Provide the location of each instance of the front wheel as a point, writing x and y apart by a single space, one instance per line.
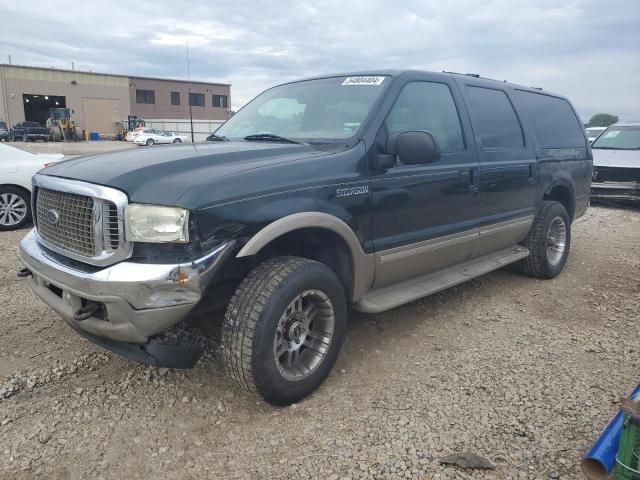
150 142
548 241
284 328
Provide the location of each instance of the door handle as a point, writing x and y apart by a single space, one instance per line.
532 173
474 181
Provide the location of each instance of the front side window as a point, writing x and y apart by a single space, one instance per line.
220 101
554 123
622 137
494 119
196 99
428 106
145 96
320 111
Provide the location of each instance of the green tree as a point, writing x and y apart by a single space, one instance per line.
602 120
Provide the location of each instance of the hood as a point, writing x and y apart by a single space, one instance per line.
616 158
161 175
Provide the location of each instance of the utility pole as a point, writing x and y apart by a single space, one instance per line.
189 99
73 66
9 59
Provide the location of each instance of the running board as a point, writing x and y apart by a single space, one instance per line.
392 296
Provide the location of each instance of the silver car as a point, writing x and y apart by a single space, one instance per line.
616 163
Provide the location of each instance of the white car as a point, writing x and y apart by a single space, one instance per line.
131 135
157 136
16 169
616 163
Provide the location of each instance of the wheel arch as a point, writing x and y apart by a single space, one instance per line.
561 190
18 186
335 237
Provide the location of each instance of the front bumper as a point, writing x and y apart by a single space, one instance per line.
138 300
616 190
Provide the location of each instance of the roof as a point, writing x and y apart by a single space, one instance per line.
86 72
444 73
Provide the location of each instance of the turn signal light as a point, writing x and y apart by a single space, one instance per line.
182 278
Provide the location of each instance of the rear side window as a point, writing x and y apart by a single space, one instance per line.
494 118
554 122
428 106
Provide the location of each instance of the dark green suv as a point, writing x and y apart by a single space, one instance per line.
364 190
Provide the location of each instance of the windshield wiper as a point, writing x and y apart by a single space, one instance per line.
269 137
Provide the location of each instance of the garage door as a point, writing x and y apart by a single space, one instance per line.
101 115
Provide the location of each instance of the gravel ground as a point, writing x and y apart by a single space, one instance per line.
522 372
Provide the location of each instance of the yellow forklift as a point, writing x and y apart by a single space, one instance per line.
61 125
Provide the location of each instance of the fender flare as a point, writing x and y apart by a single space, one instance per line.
363 264
566 183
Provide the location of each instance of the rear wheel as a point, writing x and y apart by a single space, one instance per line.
284 328
548 241
15 210
150 142
177 140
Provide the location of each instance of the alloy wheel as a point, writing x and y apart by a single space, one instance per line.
13 209
556 240
303 335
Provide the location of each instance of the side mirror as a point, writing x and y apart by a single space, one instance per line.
414 147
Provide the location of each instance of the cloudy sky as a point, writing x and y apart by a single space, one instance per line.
588 50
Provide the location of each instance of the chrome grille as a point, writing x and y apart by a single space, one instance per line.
66 220
110 230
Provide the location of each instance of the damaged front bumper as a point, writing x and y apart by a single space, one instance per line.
130 303
616 190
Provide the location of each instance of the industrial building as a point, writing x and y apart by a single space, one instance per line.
102 102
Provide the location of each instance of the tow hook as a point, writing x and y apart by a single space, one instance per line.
24 272
89 310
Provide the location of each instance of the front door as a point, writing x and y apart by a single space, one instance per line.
425 215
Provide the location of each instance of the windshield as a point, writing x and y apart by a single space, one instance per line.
3 126
314 111
619 138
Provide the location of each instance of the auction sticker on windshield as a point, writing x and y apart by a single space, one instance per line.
351 81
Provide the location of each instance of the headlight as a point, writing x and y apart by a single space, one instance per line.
155 224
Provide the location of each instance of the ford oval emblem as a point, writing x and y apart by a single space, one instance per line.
53 216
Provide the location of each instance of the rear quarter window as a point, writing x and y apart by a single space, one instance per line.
554 122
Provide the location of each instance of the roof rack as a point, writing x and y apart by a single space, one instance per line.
474 75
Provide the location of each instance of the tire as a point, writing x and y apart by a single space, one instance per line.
177 140
548 241
262 319
15 208
150 142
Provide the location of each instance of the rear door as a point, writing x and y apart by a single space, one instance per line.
507 161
